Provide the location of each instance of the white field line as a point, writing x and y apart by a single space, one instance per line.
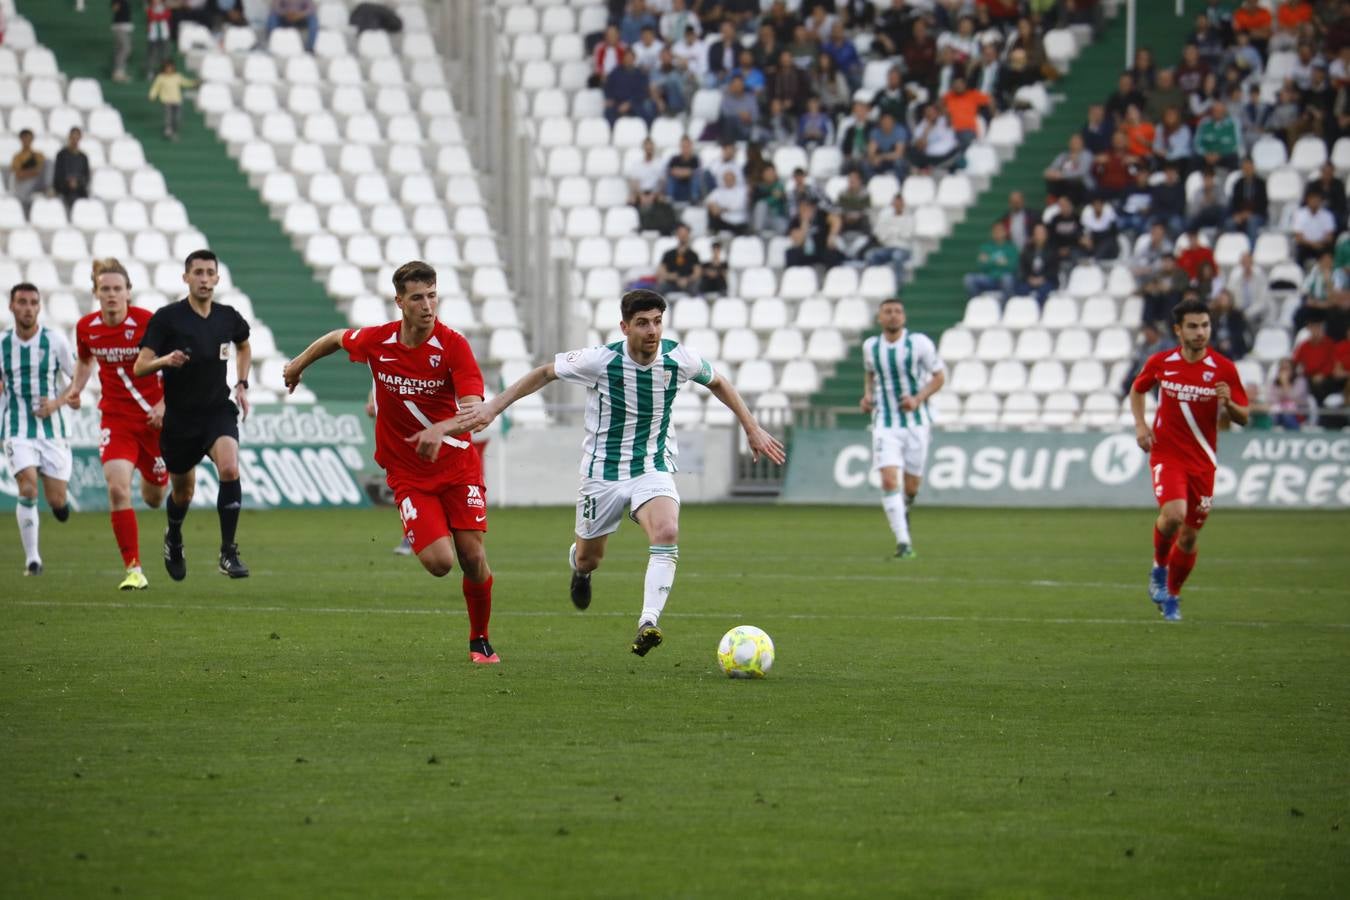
1143 619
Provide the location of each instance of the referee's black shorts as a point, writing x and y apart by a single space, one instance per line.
185 439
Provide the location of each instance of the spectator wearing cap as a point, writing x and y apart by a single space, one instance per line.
1248 206
893 232
1314 228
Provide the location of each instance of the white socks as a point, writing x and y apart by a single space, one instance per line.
660 576
27 514
896 514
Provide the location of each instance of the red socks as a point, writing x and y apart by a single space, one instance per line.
128 540
1162 546
478 601
1179 565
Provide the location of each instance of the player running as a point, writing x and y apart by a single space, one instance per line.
1194 382
190 342
423 370
131 409
629 450
901 370
32 359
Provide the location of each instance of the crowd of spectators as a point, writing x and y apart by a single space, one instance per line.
1163 166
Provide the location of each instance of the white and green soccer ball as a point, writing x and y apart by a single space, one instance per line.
745 652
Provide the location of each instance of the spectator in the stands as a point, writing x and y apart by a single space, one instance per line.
158 25
1204 47
299 14
167 89
1248 207
647 50
1207 207
920 55
1153 338
668 85
635 18
726 162
1241 59
1255 20
608 56
121 29
1192 254
1164 96
628 92
1172 141
800 190
655 213
690 54
814 237
855 227
1097 131
1136 207
203 13
894 97
1146 264
1333 193
679 271
1012 77
1164 291
934 143
1285 117
684 176
1113 171
1038 265
1018 220
1002 13
1306 59
853 136
765 51
722 56
28 173
886 144
1287 396
804 49
963 107
1314 229
1201 103
1250 289
1252 115
71 174
231 14
1070 173
894 28
750 73
1066 232
1139 133
893 232
1126 95
789 85
1319 99
1101 229
1317 287
844 55
739 112
1028 39
781 20
1169 199
961 42
820 21
714 280
677 21
769 204
815 128
831 86
645 173
997 262
1230 332
729 206
1317 356
1144 71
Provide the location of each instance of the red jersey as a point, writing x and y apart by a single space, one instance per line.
416 387
1186 427
126 398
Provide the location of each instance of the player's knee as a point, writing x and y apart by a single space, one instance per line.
28 491
666 533
1187 539
229 472
153 496
889 482
438 566
119 496
475 567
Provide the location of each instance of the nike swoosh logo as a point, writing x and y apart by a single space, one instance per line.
1170 372
480 518
388 359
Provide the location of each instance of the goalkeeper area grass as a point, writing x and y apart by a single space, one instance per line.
1005 716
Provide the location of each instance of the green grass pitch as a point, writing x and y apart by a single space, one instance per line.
1005 716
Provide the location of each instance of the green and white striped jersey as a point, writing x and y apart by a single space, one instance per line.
901 369
31 370
628 406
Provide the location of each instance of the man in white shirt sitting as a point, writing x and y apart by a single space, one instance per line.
1314 229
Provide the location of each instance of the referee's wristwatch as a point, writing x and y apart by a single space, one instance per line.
242 383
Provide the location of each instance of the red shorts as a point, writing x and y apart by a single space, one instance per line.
1172 482
138 444
428 517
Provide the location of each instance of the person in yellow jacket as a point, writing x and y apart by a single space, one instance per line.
167 88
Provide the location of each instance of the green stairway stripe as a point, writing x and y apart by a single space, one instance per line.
219 200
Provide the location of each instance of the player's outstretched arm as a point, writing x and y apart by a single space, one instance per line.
328 344
1143 434
478 416
760 441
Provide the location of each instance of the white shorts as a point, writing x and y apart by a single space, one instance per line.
51 456
903 448
600 503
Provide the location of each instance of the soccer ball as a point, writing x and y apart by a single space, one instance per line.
745 652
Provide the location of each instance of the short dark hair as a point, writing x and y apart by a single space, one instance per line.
24 286
638 301
890 300
27 131
200 254
1188 308
417 271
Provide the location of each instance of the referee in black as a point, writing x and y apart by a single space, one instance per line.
190 342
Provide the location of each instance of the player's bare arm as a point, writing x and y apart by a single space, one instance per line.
155 417
243 362
1143 432
328 344
428 440
147 362
1236 412
866 404
84 368
911 402
480 415
760 441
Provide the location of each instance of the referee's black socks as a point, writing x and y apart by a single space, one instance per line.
228 502
176 515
